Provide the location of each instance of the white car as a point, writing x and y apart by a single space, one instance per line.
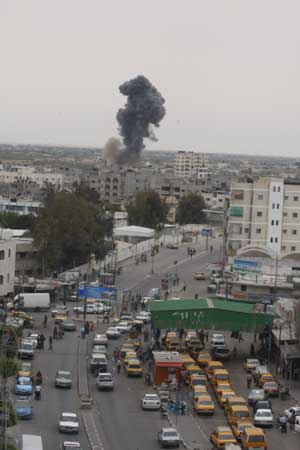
97 348
263 418
123 327
68 423
150 402
105 381
100 339
169 437
126 318
217 340
60 310
290 411
113 333
33 337
144 317
70 445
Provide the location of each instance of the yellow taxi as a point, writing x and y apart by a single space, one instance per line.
239 428
25 370
213 365
225 386
198 378
204 357
254 438
250 364
191 370
134 368
59 318
221 436
199 391
220 376
264 378
204 405
237 414
126 348
187 361
223 395
129 355
234 401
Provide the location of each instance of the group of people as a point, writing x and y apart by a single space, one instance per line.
283 422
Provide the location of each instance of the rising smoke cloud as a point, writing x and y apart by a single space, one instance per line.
142 112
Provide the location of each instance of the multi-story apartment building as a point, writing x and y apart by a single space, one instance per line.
7 263
24 174
191 164
265 214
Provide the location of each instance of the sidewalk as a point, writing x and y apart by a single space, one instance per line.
192 435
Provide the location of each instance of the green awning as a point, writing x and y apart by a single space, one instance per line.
236 211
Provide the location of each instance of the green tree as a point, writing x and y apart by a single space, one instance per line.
16 221
70 228
83 189
190 209
147 210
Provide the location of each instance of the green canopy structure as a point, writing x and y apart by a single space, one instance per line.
209 314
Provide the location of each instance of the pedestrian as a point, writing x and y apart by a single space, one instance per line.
206 335
106 317
184 287
283 423
45 321
201 336
292 421
119 366
42 341
211 248
82 331
55 332
249 380
252 350
196 296
50 343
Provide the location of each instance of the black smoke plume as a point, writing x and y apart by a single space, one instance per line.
143 110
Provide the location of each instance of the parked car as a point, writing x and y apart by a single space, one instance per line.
255 395
169 437
172 246
199 276
263 418
68 423
63 379
23 408
23 386
33 337
150 402
105 381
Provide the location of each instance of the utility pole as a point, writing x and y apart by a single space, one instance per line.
275 281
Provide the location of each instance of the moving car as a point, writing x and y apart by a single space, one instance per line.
98 363
33 337
198 379
113 333
264 377
222 353
204 357
204 405
222 396
69 325
99 349
234 401
123 327
70 445
23 408
263 418
221 436
68 423
199 276
220 376
26 350
217 340
144 316
253 439
255 395
251 364
262 404
150 402
100 339
271 388
134 368
213 365
169 437
61 310
23 386
237 414
172 246
239 428
63 379
105 381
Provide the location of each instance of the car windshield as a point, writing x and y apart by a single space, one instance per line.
105 378
264 414
24 382
134 366
242 414
205 402
170 434
64 374
22 403
222 377
27 347
270 385
25 367
226 437
151 397
256 438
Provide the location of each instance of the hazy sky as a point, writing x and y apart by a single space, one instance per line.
228 69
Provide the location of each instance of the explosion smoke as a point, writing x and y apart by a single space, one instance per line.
144 110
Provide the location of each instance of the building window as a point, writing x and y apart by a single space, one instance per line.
271 240
295 198
274 188
243 287
277 222
276 240
293 248
284 231
273 205
238 195
246 230
272 223
285 214
294 231
258 230
2 254
260 197
286 197
295 215
278 188
278 205
1 279
283 248
9 252
259 214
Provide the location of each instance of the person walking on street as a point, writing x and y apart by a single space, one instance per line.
82 332
184 287
249 380
292 421
45 321
119 366
55 332
283 423
42 340
50 343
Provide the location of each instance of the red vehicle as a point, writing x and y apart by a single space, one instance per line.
271 388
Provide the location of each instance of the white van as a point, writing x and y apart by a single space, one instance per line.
31 442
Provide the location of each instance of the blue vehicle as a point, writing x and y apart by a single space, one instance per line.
23 408
23 386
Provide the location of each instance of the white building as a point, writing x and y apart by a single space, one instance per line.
20 207
265 214
191 164
28 174
7 263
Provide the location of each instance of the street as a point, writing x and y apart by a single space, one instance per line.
116 416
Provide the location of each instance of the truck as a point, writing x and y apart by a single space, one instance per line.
31 442
32 301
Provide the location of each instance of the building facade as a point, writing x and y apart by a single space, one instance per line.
7 264
265 213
